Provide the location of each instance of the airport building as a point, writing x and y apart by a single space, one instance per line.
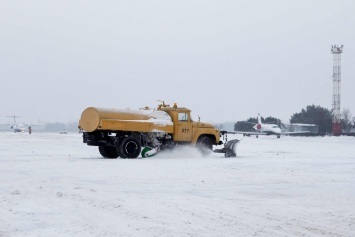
300 127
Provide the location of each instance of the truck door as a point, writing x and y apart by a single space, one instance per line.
183 130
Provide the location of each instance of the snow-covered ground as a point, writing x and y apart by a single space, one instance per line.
55 185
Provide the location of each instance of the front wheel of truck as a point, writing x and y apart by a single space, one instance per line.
204 144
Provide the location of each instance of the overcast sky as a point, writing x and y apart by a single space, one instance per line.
225 60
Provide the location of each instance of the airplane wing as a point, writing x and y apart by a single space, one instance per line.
301 132
248 133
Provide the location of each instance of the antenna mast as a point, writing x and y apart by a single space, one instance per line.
336 51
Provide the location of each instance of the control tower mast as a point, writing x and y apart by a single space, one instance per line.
336 51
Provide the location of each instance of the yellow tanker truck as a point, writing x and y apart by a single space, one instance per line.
130 133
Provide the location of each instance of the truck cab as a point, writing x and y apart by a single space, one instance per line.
186 130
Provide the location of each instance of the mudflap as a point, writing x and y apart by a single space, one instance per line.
230 148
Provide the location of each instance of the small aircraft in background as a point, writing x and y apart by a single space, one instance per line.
267 129
18 127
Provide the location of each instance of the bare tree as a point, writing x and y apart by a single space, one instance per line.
218 126
346 120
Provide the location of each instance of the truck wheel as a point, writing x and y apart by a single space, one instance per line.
108 152
204 144
129 148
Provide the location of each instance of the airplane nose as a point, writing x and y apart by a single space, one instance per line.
258 126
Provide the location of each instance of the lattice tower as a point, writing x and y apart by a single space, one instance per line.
336 51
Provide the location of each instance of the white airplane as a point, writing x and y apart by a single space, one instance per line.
267 129
17 127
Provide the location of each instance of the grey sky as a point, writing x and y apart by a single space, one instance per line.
225 60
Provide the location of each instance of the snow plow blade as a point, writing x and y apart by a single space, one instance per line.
230 148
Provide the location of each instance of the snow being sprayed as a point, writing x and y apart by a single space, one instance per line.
181 151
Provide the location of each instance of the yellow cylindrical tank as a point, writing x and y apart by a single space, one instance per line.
108 119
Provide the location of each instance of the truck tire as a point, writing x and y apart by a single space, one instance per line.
204 144
108 152
129 148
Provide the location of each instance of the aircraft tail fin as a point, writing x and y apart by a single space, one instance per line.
259 119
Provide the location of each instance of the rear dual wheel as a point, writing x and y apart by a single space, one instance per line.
129 148
108 152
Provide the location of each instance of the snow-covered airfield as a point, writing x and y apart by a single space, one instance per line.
54 185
